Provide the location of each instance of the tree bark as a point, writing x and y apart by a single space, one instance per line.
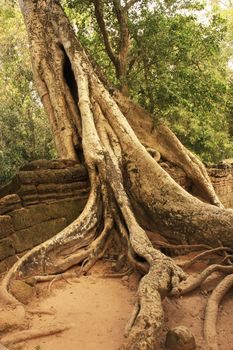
127 183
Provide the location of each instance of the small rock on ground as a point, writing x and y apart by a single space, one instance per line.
180 338
21 291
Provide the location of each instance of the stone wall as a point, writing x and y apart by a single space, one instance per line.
42 199
45 196
222 178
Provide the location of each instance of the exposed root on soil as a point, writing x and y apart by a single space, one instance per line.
2 347
41 312
132 319
214 300
202 255
118 274
47 278
180 247
187 287
52 282
228 258
211 312
21 336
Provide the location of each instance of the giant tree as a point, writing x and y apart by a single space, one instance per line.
98 125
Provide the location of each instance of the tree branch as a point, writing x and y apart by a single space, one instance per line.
122 19
121 15
130 3
131 63
102 26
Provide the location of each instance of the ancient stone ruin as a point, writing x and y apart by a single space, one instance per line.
42 199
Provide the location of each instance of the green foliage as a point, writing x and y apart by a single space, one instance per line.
82 16
181 77
24 130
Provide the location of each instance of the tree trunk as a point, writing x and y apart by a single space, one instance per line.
127 183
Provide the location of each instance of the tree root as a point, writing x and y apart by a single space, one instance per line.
40 311
227 258
81 230
154 154
211 312
53 281
141 267
213 302
37 279
146 324
118 274
132 319
163 273
98 247
202 255
20 346
182 247
2 347
189 287
21 336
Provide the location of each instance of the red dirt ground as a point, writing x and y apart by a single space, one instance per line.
97 310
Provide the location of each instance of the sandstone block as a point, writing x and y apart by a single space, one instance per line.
34 235
6 248
6 226
9 203
27 217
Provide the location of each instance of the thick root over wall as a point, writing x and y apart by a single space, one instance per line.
127 183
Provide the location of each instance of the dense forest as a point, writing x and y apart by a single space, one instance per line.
179 66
